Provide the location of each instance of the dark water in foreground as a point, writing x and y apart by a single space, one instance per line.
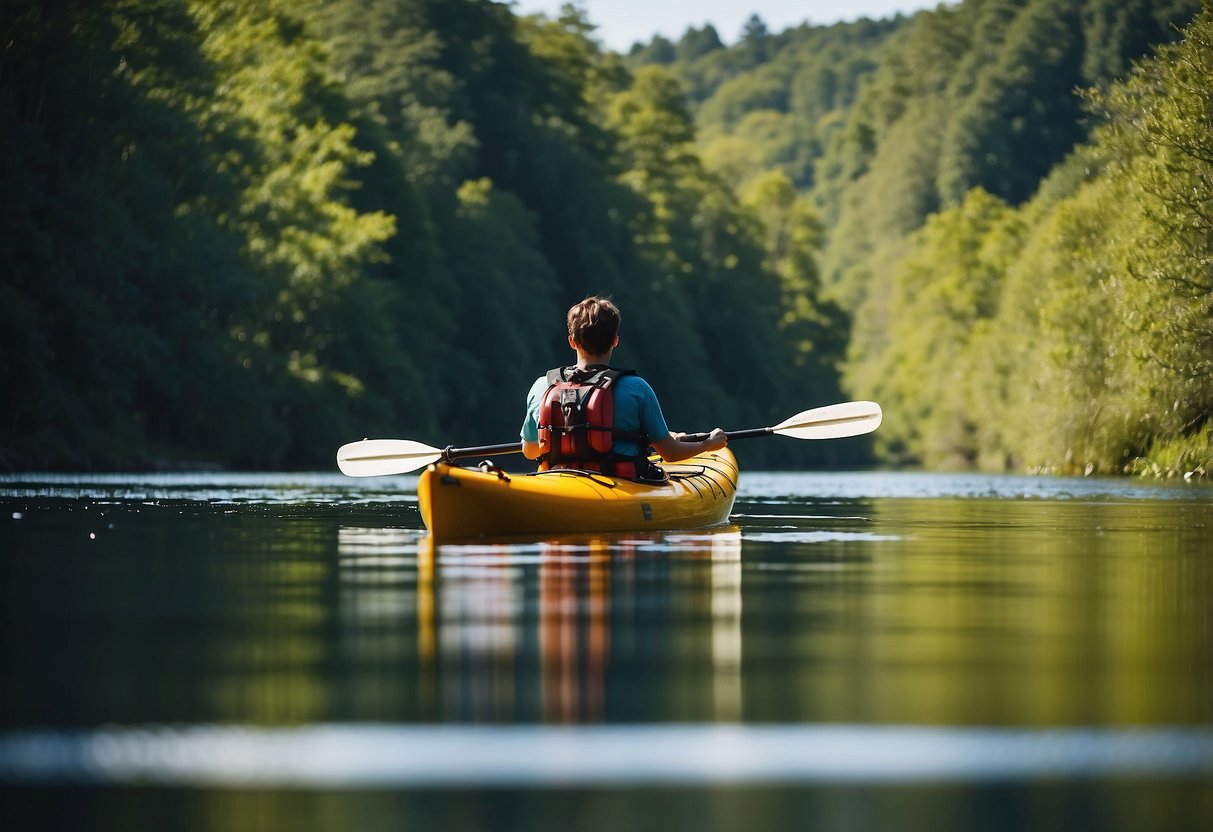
854 652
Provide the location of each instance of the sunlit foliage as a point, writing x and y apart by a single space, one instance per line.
1024 294
1071 334
242 232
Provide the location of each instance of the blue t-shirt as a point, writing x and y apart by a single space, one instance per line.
636 411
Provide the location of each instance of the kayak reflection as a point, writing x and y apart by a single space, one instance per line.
584 629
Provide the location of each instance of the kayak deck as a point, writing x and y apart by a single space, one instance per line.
469 502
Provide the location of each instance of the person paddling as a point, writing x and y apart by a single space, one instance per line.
594 417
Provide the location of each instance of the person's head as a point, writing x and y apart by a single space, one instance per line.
594 325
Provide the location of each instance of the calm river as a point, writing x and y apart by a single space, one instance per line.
858 651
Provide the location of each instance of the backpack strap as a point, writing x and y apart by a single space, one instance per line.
602 377
595 375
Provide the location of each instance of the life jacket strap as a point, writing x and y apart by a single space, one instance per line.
578 444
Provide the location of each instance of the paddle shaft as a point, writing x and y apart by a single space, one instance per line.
752 433
449 453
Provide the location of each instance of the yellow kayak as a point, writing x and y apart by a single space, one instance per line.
470 502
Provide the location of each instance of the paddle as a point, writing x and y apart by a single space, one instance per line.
381 457
834 421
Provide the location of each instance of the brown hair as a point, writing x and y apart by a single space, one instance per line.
593 324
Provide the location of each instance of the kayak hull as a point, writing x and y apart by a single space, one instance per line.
468 502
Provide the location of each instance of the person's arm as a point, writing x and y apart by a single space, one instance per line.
530 425
673 448
531 450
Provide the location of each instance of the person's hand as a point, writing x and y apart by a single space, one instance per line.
676 447
716 440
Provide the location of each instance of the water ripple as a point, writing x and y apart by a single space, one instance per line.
393 756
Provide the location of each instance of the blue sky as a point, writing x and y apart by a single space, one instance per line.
623 22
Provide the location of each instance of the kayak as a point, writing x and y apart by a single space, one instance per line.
473 502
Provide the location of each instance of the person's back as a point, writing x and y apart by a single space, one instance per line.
635 414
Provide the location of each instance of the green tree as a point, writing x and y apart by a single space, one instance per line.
657 51
755 38
763 140
695 43
1064 402
706 250
111 336
945 293
813 328
1159 135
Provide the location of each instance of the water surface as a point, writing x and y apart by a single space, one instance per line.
851 651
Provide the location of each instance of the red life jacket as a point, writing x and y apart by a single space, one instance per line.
577 422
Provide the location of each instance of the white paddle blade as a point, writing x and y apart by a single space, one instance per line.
833 421
381 457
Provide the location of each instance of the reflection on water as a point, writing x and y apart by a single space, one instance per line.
982 634
989 613
550 631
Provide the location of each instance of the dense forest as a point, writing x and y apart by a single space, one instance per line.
242 232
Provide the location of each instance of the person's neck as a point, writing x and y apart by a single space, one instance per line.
585 360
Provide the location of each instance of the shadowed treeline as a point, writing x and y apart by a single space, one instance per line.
244 232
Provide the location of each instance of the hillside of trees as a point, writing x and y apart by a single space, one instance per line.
243 232
1014 198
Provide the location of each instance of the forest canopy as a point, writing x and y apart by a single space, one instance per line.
242 232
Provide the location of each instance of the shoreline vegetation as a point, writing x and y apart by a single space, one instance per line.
239 233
